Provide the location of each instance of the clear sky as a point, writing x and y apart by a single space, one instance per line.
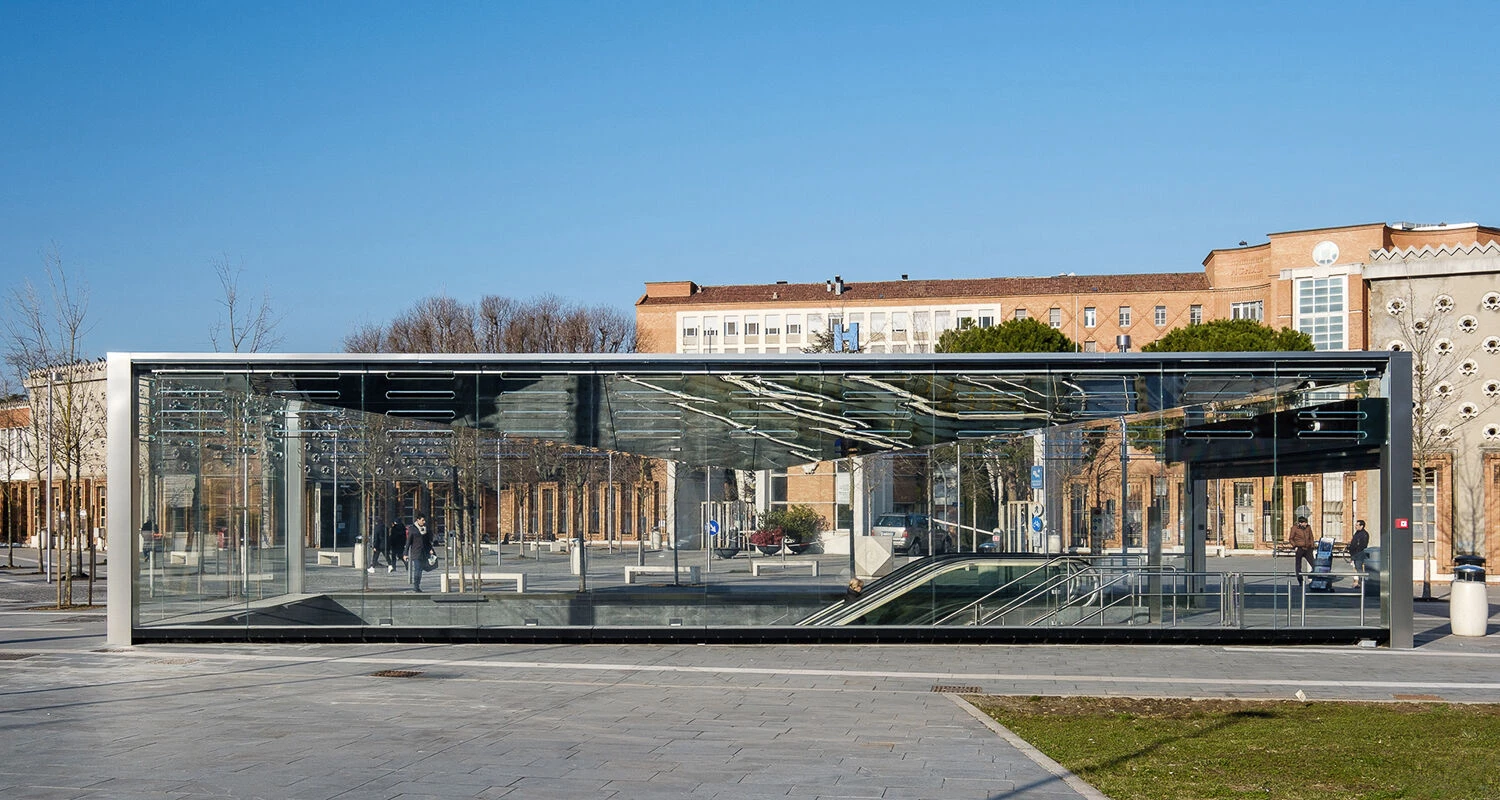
358 156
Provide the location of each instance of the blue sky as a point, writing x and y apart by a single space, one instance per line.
356 157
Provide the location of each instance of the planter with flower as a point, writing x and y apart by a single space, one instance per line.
792 527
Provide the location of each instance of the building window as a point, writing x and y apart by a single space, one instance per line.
898 323
1090 317
1161 316
1054 317
731 328
1021 313
1252 309
1320 311
942 321
1195 315
690 327
1091 347
752 328
1124 316
793 324
986 317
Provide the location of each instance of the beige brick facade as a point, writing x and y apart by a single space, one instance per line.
1311 280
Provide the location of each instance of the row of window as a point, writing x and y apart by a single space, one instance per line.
1319 302
918 325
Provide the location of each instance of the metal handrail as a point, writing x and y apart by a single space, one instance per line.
974 604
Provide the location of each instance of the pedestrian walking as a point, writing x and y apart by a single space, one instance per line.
418 550
1302 541
395 546
376 546
1359 545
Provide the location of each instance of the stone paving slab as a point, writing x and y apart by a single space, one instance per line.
83 720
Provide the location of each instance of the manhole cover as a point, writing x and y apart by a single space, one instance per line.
395 673
958 689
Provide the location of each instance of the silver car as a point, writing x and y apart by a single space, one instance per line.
911 534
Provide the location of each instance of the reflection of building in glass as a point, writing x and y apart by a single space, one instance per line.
249 477
1345 287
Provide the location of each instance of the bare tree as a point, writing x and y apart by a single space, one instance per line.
12 456
247 326
367 338
434 325
46 332
545 324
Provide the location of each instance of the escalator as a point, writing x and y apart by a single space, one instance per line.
966 589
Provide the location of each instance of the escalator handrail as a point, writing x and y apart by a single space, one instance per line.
888 584
1027 595
903 579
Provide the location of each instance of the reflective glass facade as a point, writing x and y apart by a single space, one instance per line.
608 498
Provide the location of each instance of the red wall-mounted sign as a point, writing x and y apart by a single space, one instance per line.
1403 523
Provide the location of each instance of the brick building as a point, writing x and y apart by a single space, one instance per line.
1335 284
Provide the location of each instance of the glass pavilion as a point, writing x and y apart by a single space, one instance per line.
613 497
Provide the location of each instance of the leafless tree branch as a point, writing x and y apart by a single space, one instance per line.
247 326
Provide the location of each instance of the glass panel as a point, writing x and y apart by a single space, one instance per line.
739 492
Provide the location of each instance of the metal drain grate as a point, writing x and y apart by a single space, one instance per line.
395 673
958 689
15 656
173 661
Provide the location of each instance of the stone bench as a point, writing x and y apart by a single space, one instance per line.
337 558
766 563
664 569
487 577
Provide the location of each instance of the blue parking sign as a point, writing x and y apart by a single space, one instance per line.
1036 477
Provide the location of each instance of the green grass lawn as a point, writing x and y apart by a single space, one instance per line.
1141 749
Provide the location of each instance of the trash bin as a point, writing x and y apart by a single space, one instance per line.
1468 602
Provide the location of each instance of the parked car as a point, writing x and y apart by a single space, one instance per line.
912 534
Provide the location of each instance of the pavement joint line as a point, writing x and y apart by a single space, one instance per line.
1041 759
386 660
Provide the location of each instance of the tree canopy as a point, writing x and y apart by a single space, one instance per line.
546 324
1012 336
1230 335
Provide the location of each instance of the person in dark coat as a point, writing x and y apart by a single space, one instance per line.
375 546
1359 543
395 545
418 550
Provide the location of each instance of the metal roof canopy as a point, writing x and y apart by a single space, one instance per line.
762 412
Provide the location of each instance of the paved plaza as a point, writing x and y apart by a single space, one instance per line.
84 720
